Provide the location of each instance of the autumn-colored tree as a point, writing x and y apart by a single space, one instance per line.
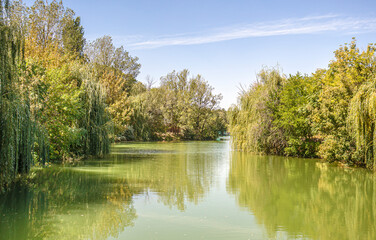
53 34
117 72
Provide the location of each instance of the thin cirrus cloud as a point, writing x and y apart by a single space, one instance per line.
306 25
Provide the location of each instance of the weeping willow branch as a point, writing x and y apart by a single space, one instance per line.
361 120
251 122
18 129
96 121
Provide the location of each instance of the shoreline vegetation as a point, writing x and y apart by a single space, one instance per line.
329 114
63 98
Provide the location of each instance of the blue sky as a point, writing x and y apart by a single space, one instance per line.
228 42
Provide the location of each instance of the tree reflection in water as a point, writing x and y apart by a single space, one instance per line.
93 200
304 197
66 204
177 172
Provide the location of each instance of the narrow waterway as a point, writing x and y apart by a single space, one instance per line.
191 190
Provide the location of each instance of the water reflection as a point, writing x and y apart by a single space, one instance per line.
94 200
305 198
177 172
64 204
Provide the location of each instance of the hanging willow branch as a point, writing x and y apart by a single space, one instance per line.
95 122
251 122
361 121
18 130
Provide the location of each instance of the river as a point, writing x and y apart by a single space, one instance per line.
191 190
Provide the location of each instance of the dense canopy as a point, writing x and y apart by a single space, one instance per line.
329 114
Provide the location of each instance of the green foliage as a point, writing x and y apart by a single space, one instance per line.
349 71
362 123
73 36
74 113
330 114
61 111
182 107
293 116
95 121
52 105
20 134
146 117
252 122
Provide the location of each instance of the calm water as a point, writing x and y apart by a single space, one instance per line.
194 190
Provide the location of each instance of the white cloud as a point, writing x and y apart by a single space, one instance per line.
306 25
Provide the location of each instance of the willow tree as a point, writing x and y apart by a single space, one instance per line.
75 113
95 121
251 122
362 121
362 113
17 127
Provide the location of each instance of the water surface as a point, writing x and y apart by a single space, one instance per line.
191 190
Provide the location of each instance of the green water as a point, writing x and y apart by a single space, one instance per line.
193 190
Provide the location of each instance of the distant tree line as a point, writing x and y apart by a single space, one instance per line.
63 98
329 114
